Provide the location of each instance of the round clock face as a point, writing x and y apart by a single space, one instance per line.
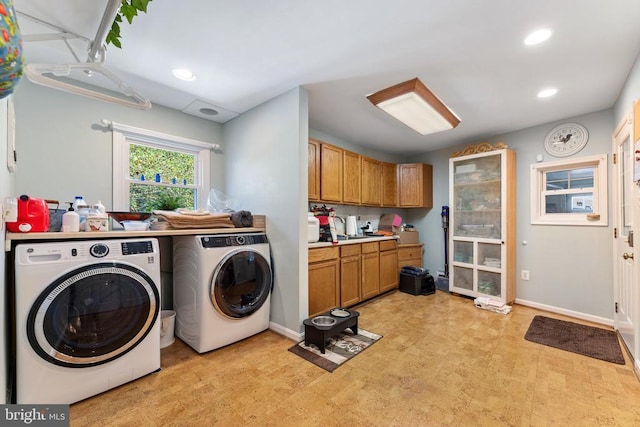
566 139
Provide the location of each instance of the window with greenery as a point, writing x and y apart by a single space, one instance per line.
570 192
154 171
160 179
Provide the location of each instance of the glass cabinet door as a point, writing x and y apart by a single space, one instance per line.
477 197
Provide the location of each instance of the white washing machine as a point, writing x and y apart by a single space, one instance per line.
86 317
221 288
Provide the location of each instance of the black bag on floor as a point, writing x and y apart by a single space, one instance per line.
416 281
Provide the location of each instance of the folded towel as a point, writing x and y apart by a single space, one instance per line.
197 212
179 220
242 219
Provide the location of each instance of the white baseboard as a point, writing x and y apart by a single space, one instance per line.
564 311
295 336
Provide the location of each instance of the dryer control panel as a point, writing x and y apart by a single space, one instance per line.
220 241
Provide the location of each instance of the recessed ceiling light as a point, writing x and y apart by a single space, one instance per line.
547 92
184 74
537 37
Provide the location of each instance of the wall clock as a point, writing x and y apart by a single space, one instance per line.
566 139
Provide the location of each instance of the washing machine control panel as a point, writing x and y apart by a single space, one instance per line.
133 248
99 250
232 240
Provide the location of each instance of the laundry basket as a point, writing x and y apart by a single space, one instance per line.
168 319
55 215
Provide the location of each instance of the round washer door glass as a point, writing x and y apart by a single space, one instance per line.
241 283
93 315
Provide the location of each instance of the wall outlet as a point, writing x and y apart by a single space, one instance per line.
524 274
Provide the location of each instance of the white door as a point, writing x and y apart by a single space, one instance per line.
626 198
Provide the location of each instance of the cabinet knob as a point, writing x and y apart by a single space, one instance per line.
627 256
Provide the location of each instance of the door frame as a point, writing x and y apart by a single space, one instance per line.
623 133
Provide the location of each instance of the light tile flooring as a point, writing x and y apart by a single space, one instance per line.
441 362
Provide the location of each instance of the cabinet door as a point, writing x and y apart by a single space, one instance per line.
314 169
351 177
330 173
409 255
389 184
349 281
415 185
370 274
388 270
371 181
324 283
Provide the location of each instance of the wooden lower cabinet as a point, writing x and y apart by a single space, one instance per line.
370 270
388 265
350 275
343 276
410 254
324 280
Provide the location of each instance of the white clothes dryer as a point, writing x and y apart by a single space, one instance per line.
221 288
86 317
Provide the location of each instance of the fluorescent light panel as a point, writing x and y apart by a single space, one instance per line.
415 106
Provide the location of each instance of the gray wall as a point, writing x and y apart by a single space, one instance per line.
570 267
630 92
266 172
64 151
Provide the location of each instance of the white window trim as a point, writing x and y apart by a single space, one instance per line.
599 216
123 135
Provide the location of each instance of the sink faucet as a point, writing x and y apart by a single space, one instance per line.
341 230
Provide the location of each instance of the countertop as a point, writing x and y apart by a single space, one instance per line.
352 241
115 234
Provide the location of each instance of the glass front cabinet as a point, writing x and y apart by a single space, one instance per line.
482 224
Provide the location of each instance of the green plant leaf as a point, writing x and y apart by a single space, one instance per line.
128 9
128 12
141 4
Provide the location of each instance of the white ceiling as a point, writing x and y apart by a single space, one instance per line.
470 53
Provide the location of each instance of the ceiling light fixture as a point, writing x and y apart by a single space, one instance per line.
184 74
546 93
415 106
537 37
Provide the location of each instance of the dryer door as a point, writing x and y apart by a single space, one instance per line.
93 315
241 283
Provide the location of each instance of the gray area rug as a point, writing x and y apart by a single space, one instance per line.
339 349
581 339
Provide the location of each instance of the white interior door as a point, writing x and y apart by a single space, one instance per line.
626 199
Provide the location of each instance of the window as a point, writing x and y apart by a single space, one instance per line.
570 192
152 170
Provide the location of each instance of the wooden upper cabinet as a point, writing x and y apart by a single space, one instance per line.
371 181
389 184
314 169
351 176
330 173
415 185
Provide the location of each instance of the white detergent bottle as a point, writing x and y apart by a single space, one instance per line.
100 207
70 220
79 202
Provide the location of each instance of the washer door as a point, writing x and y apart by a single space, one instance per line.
93 315
241 283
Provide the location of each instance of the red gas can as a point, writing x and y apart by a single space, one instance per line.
33 216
